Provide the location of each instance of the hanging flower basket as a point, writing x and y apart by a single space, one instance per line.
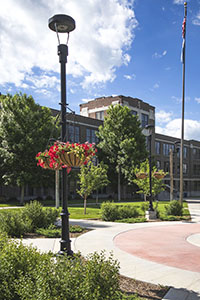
45 161
158 175
66 155
70 159
141 175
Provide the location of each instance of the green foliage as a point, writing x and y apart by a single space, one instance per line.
14 224
40 217
18 222
174 208
113 212
121 140
25 128
54 232
143 184
132 220
91 178
26 274
174 218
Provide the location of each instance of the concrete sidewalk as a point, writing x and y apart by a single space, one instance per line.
185 283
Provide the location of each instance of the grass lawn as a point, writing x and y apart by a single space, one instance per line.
94 211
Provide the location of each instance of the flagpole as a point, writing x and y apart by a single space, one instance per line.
183 103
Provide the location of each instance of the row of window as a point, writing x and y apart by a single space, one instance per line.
166 149
166 168
74 134
144 118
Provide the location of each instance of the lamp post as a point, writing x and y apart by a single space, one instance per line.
63 24
151 214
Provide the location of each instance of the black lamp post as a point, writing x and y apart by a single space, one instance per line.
149 127
63 24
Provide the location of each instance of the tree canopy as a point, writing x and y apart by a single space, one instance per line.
25 128
91 178
121 140
143 184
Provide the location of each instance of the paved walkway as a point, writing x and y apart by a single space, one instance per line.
166 253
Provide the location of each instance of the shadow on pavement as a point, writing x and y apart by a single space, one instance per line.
181 294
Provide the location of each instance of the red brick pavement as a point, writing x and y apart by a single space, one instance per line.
163 244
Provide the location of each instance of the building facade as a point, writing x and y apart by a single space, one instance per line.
83 127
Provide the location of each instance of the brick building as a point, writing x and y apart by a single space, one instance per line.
82 128
161 144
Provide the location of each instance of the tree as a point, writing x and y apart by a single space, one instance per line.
143 184
91 178
25 128
122 142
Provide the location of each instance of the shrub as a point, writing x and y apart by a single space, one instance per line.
112 212
174 208
14 224
26 274
109 211
132 220
39 216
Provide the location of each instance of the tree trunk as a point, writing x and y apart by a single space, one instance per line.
22 194
119 189
85 203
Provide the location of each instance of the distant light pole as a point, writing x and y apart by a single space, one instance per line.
63 24
149 127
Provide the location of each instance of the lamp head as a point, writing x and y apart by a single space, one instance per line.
62 23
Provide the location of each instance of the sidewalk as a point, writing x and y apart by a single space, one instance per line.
151 263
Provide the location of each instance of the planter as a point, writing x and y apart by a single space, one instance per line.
141 175
70 159
158 175
45 165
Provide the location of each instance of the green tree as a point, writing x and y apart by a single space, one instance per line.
143 184
91 178
122 142
25 128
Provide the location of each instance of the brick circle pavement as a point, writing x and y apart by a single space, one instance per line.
166 245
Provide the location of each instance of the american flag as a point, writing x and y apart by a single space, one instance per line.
183 44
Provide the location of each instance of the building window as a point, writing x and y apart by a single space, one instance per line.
91 136
196 169
73 134
166 166
134 112
184 152
158 164
196 153
184 168
145 120
157 146
166 149
100 115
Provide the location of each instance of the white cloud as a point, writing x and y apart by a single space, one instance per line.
197 99
176 99
159 55
97 47
179 1
173 128
155 86
130 77
196 20
163 117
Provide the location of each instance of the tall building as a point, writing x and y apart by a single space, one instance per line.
161 144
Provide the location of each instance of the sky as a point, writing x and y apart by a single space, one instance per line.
119 47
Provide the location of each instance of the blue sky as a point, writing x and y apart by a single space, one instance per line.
119 47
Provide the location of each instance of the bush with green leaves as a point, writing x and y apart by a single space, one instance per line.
39 216
26 274
174 208
14 224
18 222
113 212
54 232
